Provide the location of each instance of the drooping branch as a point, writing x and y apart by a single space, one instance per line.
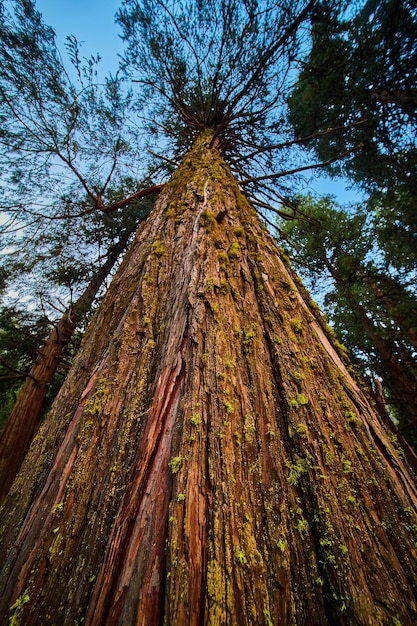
18 373
104 208
120 204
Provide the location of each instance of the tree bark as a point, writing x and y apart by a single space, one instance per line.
209 459
24 418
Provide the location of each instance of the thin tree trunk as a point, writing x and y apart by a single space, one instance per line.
24 418
391 309
209 459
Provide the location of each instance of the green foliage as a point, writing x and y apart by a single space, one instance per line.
50 121
21 336
366 257
234 250
303 527
297 326
360 73
208 219
301 399
296 470
227 63
241 558
64 146
346 259
175 464
17 608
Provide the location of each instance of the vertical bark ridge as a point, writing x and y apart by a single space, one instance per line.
210 458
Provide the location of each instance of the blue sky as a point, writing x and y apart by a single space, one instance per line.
91 21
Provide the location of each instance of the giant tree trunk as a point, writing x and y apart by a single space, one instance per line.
209 459
27 411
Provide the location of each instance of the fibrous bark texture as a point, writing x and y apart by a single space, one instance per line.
210 458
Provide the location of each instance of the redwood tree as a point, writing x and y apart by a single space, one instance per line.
210 459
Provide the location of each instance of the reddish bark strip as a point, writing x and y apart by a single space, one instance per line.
137 543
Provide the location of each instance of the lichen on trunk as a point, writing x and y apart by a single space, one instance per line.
210 458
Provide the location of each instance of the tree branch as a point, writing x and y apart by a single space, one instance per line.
314 166
292 142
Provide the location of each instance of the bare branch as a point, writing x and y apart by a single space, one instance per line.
296 170
293 142
268 55
18 373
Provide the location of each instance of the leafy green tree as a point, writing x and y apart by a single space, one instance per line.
361 71
394 226
41 380
375 93
67 143
66 147
63 139
373 310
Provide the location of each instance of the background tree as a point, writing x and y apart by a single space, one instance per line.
371 307
375 92
29 405
66 151
242 470
63 147
361 67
